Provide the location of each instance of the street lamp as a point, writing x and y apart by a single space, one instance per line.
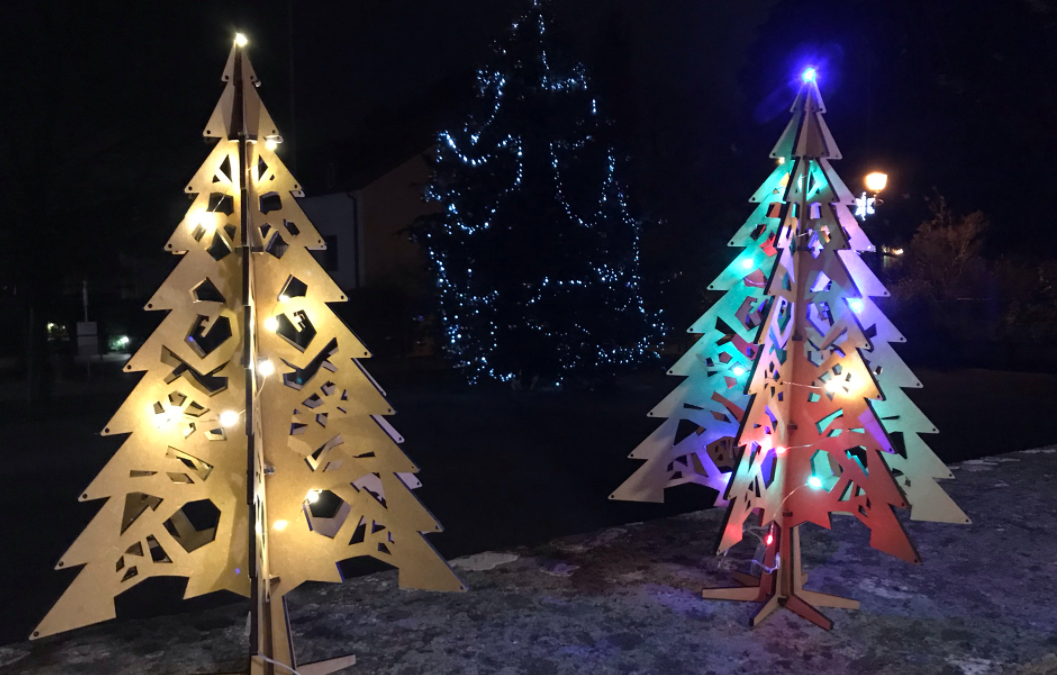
876 181
865 205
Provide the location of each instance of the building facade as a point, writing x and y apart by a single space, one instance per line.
365 229
371 257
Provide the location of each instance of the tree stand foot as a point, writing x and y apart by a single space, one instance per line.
259 666
781 586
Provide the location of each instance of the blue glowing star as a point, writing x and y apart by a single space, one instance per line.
808 75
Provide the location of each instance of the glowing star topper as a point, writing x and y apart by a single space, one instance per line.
864 206
808 75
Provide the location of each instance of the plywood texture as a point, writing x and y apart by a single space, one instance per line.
795 369
327 479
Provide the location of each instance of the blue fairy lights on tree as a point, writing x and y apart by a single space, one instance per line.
534 252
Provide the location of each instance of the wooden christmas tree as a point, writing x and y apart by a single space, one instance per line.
828 429
696 443
259 456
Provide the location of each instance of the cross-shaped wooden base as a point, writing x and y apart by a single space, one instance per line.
782 587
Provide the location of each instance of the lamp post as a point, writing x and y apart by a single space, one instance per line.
875 182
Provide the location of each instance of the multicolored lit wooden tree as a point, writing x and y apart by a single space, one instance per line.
696 442
795 380
259 455
828 429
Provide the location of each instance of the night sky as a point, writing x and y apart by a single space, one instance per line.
104 102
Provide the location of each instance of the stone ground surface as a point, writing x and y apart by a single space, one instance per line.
627 600
487 455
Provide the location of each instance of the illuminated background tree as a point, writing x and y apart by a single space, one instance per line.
828 428
534 253
259 456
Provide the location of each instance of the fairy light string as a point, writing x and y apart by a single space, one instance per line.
534 253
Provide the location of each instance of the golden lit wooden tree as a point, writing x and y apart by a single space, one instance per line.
829 429
258 456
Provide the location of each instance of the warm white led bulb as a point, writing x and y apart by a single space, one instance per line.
833 386
271 324
265 368
240 39
279 525
312 497
284 298
207 220
229 418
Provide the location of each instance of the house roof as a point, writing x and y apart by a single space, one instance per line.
351 165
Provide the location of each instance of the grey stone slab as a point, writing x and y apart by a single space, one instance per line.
626 600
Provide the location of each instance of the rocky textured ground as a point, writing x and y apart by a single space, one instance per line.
626 600
487 455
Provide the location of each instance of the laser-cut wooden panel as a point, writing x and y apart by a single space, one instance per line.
826 385
696 443
322 422
319 432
